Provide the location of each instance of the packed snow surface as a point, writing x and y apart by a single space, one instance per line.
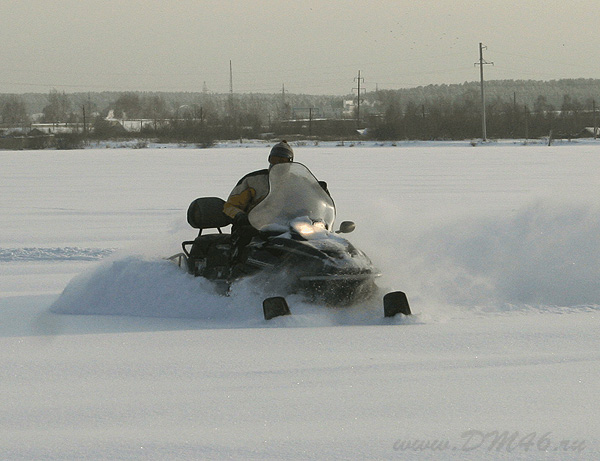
112 352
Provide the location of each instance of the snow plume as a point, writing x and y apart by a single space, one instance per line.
546 254
145 286
539 257
141 286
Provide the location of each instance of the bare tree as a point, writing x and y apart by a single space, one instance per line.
58 108
13 111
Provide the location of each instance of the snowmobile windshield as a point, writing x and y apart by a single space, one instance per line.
293 193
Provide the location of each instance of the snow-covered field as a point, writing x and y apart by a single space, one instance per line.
110 352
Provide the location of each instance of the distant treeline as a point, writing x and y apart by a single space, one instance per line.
514 108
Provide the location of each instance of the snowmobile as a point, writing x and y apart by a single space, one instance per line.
294 248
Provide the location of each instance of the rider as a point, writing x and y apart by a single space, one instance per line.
249 192
253 188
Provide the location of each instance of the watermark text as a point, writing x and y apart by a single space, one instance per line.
494 441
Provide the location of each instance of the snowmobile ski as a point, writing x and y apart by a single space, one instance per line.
275 307
394 303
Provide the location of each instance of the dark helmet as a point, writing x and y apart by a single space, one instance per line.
282 149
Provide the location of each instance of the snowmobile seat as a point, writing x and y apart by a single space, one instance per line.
207 213
211 250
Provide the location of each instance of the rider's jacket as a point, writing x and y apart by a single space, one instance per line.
248 192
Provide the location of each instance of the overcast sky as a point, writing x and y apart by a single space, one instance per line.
314 47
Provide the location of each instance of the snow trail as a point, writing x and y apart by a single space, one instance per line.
53 254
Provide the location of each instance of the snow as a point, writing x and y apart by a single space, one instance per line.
112 352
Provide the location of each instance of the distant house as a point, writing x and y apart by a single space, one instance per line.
37 139
134 125
34 139
116 127
590 132
36 132
137 126
349 108
58 128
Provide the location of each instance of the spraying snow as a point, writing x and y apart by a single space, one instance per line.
544 254
541 256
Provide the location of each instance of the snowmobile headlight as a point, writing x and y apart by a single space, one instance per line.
307 230
303 229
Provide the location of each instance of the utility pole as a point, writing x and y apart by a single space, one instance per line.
232 112
481 64
230 101
526 109
595 119
89 104
230 89
284 113
514 114
230 78
84 121
358 79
